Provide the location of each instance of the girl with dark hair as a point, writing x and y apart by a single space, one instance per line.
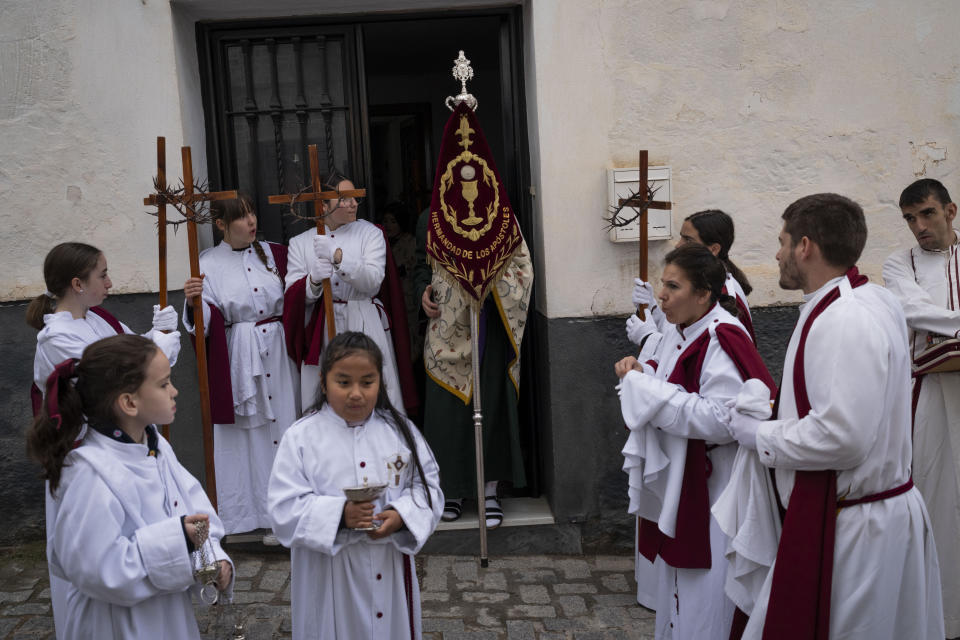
679 454
714 230
353 573
353 255
126 514
68 315
69 318
255 386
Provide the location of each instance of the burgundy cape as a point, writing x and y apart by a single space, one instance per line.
36 395
690 549
218 358
304 343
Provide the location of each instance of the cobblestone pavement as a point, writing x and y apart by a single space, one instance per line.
515 598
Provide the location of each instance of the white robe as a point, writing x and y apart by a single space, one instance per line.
661 418
119 542
936 437
63 337
886 582
355 283
343 584
644 573
265 381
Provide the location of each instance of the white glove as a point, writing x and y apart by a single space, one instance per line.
324 247
169 343
743 427
638 329
643 294
320 270
164 319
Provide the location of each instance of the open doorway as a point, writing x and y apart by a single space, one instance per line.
369 91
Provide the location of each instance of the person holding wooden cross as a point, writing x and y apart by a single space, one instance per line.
69 318
926 280
713 229
679 454
353 256
254 385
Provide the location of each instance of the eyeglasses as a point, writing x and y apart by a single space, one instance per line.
345 202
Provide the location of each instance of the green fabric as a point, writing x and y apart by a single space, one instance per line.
448 423
422 273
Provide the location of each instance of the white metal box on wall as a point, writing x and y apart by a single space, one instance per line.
624 182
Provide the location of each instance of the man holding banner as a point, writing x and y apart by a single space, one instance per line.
472 258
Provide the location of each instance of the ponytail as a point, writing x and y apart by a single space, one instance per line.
40 306
729 303
716 227
738 275
66 261
83 390
58 424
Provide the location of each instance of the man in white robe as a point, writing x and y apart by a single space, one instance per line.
925 279
863 563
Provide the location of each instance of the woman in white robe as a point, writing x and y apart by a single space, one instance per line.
128 514
242 287
349 583
672 401
69 318
352 255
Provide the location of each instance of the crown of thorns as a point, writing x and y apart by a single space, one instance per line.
618 218
195 210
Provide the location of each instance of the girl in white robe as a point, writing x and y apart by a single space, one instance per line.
713 229
353 256
673 404
128 514
242 285
348 582
69 318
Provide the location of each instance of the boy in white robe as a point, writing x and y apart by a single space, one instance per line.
856 557
926 280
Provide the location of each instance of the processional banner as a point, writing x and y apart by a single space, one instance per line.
472 232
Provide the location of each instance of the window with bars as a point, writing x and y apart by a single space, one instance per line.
272 94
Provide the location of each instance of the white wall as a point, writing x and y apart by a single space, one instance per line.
85 88
754 104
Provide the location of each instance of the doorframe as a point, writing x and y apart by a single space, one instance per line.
515 172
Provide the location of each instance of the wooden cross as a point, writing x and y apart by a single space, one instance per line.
317 196
188 198
642 203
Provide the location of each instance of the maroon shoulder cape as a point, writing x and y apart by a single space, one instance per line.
304 343
36 395
690 548
218 357
799 605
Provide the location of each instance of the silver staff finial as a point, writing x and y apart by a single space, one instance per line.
462 71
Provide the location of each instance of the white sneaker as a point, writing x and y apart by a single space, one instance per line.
270 539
